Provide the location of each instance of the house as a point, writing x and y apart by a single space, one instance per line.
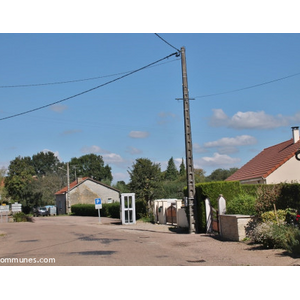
85 190
273 165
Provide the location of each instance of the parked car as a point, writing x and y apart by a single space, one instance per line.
41 211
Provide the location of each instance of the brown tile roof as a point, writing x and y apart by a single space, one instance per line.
266 162
72 185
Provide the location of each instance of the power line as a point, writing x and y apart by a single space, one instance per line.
76 80
167 42
249 87
87 91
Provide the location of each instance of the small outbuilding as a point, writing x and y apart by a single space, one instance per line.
85 191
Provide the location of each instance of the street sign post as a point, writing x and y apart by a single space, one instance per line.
98 205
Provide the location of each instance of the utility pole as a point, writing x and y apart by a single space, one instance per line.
68 178
188 147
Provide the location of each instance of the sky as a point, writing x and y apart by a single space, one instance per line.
138 116
230 45
243 79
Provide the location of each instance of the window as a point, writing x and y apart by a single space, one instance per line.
109 200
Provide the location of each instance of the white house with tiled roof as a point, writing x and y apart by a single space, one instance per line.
85 191
275 164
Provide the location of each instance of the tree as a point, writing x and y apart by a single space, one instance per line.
199 175
145 178
45 163
20 175
171 172
91 165
220 174
122 187
182 171
2 187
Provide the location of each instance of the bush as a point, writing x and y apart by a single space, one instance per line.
242 204
111 210
141 209
21 217
270 216
280 236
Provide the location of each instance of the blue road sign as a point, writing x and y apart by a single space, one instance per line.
97 201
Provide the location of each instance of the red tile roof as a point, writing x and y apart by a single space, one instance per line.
266 162
72 185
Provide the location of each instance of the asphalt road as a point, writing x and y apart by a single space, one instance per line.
82 241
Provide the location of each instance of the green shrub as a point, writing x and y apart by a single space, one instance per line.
141 209
21 217
111 210
280 236
242 204
270 216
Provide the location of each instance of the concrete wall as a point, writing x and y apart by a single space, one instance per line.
160 207
88 191
232 227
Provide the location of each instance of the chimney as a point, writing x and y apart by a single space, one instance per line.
295 130
79 179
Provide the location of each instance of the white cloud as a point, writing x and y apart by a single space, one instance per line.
56 153
108 157
59 108
112 158
251 120
138 134
241 140
217 160
93 149
120 177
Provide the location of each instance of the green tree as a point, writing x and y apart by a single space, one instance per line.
45 163
199 175
20 175
220 174
171 172
145 178
2 187
91 165
44 189
182 171
122 187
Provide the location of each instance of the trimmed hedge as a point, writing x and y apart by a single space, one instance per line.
111 210
283 195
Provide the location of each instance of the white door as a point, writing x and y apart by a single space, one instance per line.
128 208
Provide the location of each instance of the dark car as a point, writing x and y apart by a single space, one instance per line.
41 211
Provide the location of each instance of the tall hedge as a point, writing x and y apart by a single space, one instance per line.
111 210
283 195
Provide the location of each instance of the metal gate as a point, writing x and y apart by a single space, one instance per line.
171 214
215 220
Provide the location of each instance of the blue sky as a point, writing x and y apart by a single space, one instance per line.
138 116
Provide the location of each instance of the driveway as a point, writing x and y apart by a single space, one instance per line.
82 241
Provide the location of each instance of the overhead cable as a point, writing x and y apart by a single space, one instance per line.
167 42
249 87
86 91
72 81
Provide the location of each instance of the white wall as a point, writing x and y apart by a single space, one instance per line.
288 172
